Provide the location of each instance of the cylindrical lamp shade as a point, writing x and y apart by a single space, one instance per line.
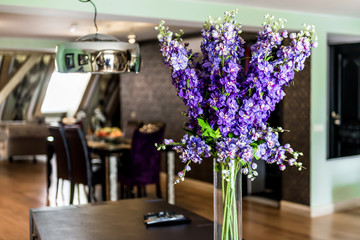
98 53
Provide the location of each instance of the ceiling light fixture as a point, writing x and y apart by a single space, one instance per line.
132 37
73 28
97 53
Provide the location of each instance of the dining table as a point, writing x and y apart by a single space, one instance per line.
108 151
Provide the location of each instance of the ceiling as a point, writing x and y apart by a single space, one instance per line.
330 7
70 28
62 26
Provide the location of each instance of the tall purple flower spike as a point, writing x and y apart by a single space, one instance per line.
228 107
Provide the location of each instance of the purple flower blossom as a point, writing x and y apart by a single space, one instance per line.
282 167
291 161
284 34
254 166
168 141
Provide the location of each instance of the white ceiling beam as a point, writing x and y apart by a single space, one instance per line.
18 76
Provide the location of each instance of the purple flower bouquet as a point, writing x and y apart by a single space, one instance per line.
228 106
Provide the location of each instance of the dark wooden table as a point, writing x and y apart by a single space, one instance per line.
120 220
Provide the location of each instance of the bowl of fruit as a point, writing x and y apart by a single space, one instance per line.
109 134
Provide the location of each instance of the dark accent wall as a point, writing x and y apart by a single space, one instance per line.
150 96
296 118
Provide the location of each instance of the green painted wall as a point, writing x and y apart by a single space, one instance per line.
34 44
331 181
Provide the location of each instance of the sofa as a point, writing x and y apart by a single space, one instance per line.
22 139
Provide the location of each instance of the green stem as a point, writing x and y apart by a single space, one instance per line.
230 222
225 230
235 213
222 184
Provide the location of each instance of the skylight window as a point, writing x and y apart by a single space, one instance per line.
64 93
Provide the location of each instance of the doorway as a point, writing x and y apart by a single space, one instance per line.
344 112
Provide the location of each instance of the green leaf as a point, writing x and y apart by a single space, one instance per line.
256 143
261 94
202 123
268 58
256 157
215 108
243 163
253 144
204 127
217 133
208 140
207 130
206 134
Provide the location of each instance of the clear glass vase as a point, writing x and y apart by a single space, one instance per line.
227 202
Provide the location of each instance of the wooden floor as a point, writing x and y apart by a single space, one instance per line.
23 186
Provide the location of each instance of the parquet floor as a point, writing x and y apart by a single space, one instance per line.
23 186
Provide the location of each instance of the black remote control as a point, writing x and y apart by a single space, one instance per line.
163 218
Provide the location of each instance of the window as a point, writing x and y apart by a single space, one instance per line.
64 93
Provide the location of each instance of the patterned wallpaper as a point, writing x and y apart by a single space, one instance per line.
296 118
150 96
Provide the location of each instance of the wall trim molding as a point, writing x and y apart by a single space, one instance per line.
262 200
318 211
295 208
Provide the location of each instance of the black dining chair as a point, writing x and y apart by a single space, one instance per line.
62 156
141 165
83 171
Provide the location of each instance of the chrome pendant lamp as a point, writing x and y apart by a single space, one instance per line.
97 53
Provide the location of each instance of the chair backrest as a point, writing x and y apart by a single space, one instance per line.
79 155
145 158
61 150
